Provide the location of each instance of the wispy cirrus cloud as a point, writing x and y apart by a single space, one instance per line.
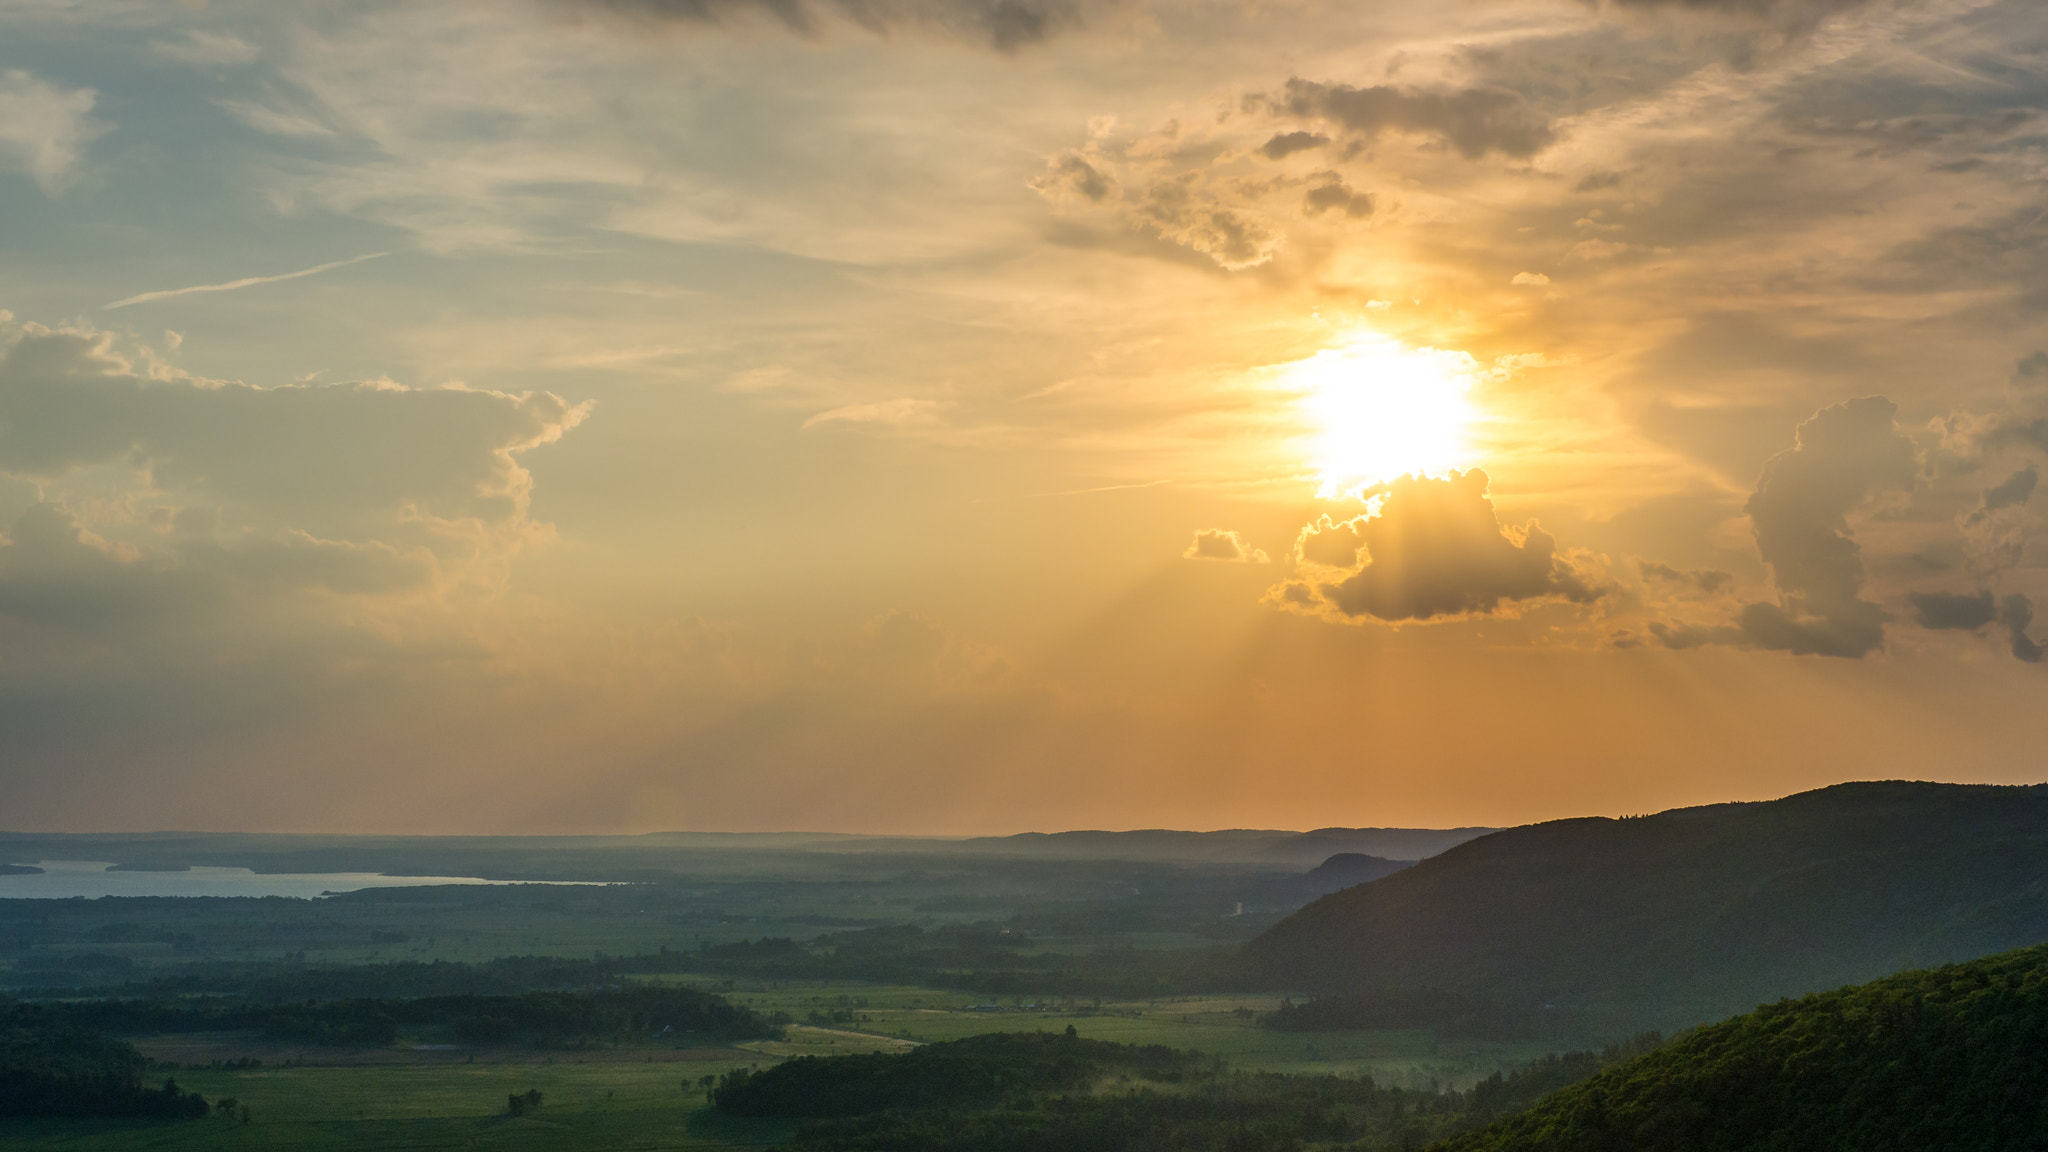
244 282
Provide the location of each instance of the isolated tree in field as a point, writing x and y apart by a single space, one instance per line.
523 1103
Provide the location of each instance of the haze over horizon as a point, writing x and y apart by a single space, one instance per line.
965 417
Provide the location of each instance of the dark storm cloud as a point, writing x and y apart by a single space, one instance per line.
1474 121
1004 25
1436 549
1845 455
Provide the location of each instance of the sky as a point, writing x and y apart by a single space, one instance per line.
978 416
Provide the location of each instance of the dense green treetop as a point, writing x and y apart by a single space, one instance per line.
1955 1058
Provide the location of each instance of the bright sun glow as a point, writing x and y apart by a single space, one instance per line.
1383 410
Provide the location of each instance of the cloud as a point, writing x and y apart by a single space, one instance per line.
339 460
1222 544
215 49
1286 144
45 129
1072 177
1327 192
1178 210
1330 543
57 573
1474 121
2016 613
1706 581
1953 610
1844 456
244 282
1529 280
900 412
1796 13
2012 492
1971 611
2028 385
1004 25
1434 549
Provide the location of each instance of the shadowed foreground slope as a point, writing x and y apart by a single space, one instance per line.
1684 916
1942 1059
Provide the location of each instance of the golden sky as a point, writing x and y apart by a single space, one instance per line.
986 415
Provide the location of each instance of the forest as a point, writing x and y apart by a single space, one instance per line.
52 1069
1042 1092
559 1020
1939 1059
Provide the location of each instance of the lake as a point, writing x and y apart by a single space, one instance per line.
64 879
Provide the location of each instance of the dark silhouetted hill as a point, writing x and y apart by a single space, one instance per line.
1949 1059
1346 869
1683 916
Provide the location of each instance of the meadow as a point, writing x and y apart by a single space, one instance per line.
853 1015
616 1103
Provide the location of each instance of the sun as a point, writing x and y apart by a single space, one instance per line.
1381 409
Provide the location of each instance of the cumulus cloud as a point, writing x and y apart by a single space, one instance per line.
57 573
1844 456
2016 613
1286 144
1222 544
1474 121
326 457
1953 610
1972 611
1529 280
1327 192
1178 209
1433 549
1004 25
2012 492
1073 177
45 128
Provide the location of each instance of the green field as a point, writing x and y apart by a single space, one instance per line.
1223 1025
623 1099
614 1105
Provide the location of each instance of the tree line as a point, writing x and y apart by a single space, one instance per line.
1038 1092
534 1019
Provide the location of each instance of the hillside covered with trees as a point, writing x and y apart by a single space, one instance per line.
1949 1058
1599 925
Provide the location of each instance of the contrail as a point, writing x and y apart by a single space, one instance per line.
245 282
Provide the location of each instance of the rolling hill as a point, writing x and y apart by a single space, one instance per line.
1929 1060
1684 916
